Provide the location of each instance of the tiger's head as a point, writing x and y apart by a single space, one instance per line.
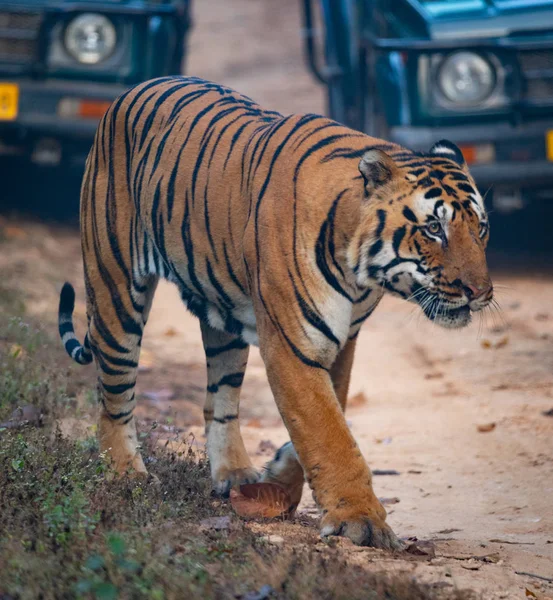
423 232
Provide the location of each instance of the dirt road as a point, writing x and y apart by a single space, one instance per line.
459 415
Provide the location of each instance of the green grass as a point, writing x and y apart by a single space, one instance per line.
68 529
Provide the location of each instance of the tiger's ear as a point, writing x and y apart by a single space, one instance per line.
449 150
377 169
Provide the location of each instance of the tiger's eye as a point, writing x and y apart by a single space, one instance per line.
434 228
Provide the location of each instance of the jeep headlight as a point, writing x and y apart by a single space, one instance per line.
90 38
466 78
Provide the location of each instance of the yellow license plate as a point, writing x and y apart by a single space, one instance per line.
549 144
9 101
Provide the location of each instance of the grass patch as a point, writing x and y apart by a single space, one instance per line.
69 530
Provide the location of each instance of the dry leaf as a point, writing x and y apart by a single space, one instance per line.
421 548
502 342
486 427
486 344
170 332
357 400
529 593
433 375
491 558
15 233
17 351
260 500
449 530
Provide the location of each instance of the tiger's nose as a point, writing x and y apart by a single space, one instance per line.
474 292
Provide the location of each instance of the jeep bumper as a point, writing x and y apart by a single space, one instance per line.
521 153
59 112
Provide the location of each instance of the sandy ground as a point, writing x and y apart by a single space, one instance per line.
419 394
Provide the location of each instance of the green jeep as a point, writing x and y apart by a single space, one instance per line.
476 72
62 63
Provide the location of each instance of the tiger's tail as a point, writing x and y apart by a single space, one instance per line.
80 353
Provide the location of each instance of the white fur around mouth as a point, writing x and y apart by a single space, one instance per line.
446 314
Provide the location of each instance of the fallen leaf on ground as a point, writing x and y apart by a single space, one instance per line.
434 375
491 558
260 500
266 447
421 548
414 472
385 441
357 400
486 427
17 351
499 344
15 233
529 593
502 342
170 332
449 530
217 523
387 501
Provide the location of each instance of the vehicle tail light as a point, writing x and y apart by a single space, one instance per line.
478 153
82 108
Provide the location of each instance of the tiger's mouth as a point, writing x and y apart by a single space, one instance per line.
450 317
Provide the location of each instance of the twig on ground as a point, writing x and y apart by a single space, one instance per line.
498 541
549 579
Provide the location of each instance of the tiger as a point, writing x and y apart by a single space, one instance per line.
282 232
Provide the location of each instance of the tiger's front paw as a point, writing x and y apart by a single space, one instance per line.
225 479
364 528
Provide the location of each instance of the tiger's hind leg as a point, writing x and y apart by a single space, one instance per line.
116 326
285 468
226 356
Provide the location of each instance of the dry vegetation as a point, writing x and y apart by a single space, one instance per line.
67 529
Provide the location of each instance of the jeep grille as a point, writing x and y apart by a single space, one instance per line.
536 67
18 37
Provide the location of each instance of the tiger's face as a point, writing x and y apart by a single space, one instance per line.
424 232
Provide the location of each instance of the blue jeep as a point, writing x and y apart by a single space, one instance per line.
477 72
62 63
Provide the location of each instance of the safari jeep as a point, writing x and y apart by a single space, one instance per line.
63 62
477 72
